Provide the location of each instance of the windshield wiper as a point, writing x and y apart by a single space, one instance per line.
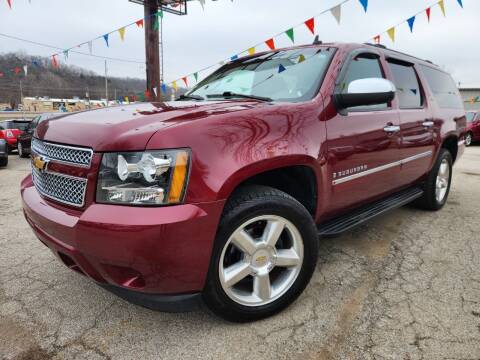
190 97
229 94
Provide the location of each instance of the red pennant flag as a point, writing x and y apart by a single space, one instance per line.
17 70
147 94
376 39
9 3
54 61
310 23
139 23
428 13
185 81
271 44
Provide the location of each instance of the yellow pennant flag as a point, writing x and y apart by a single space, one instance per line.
121 31
472 100
174 85
251 51
301 58
127 99
442 6
391 33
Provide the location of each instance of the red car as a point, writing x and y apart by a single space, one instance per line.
222 195
10 130
473 127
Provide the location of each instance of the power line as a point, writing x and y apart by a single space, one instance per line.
74 51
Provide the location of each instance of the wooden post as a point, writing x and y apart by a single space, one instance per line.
152 50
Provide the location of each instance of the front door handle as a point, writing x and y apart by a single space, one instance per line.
428 123
391 128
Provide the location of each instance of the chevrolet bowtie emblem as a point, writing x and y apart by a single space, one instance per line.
40 163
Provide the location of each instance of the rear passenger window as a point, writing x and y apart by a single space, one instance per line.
443 88
408 87
363 66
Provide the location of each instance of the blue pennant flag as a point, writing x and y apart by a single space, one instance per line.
35 63
414 91
106 39
411 21
364 4
164 88
460 3
234 57
281 68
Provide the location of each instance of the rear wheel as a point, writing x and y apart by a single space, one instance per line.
264 255
21 151
468 139
437 187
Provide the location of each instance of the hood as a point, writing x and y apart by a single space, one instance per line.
129 127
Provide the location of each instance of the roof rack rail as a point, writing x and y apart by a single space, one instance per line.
317 41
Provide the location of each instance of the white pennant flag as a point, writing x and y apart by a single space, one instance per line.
25 70
337 13
155 91
90 47
202 2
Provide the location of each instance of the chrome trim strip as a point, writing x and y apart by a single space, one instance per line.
84 180
87 166
381 168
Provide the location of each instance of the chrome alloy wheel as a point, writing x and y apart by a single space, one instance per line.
261 260
443 179
468 139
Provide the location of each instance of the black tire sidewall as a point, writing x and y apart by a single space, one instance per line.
215 297
431 186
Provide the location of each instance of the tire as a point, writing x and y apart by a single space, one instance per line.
288 264
431 199
468 139
21 153
4 161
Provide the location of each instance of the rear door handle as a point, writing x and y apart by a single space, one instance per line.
428 123
391 128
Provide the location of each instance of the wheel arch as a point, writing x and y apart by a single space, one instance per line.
451 144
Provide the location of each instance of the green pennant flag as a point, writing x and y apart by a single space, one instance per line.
196 76
290 34
156 24
477 98
160 13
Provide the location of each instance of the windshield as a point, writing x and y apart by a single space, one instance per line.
470 116
285 75
20 125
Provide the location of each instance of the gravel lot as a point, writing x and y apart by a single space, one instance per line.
405 286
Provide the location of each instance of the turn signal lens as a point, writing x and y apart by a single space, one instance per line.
179 177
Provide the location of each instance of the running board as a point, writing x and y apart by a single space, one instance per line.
356 217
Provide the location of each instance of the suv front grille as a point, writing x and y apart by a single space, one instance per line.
66 189
63 153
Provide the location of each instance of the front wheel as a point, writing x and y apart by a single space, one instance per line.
264 255
437 187
468 139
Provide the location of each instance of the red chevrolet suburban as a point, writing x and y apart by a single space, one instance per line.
222 195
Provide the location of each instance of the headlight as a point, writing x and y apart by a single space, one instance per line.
143 178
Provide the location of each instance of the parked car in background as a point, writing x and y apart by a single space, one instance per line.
222 195
10 129
24 140
3 153
473 127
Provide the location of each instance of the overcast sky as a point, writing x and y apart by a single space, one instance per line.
205 37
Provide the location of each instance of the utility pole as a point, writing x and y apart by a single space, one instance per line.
106 83
152 49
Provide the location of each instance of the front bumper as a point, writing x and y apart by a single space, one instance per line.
163 250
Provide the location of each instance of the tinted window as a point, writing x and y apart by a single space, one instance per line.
406 82
18 125
443 88
363 67
470 116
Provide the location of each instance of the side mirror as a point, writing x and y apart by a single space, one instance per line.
364 92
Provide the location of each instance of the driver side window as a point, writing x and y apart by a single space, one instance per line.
363 66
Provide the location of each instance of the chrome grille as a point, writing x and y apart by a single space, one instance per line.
62 153
66 189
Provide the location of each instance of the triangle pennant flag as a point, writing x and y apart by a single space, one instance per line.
105 37
127 100
301 59
391 33
251 51
174 85
65 54
202 2
271 44
442 6
410 22
428 11
25 70
460 3
310 24
234 57
90 46
364 4
160 13
185 80
376 39
35 63
281 68
9 3
54 61
121 31
337 13
147 94
164 88
17 70
196 77
139 23
155 91
290 33
156 24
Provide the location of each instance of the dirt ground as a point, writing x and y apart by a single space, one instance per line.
405 286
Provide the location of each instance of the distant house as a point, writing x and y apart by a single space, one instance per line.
471 97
